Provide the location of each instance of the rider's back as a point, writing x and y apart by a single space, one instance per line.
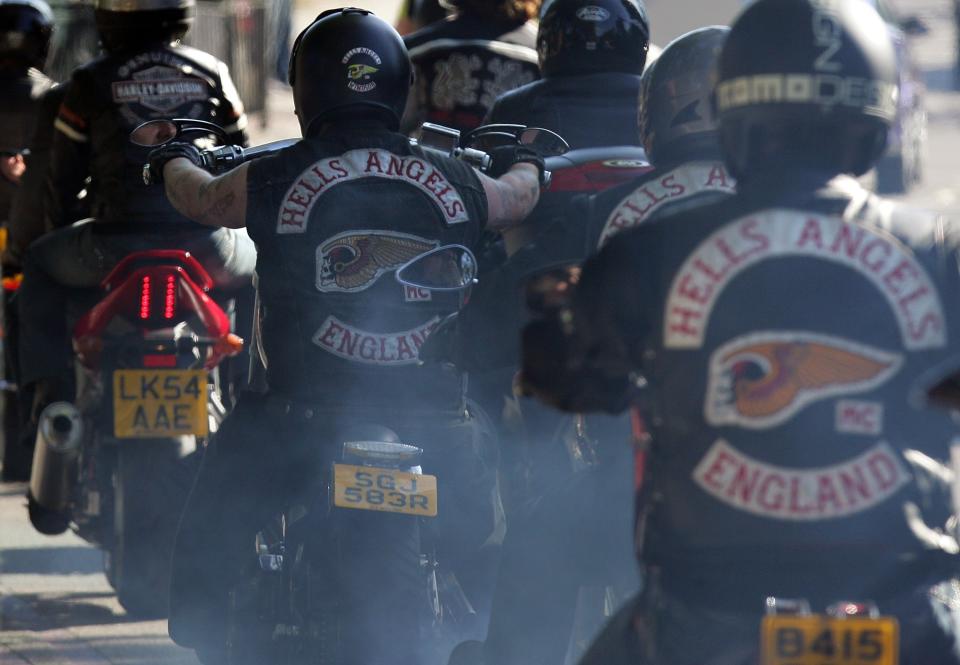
113 94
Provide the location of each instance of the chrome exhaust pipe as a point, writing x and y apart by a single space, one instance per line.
55 457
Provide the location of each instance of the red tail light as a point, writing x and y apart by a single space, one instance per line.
145 297
170 298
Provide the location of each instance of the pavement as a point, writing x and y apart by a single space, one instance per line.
56 607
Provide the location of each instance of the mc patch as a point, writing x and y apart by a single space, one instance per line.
362 64
353 260
763 379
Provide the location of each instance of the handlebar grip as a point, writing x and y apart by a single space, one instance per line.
476 158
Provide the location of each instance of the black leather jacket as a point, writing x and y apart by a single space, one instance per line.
107 99
589 111
463 64
781 333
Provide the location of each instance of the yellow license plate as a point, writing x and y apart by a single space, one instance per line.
822 640
368 488
159 403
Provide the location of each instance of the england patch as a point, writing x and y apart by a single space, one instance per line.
322 176
764 379
391 349
808 494
353 260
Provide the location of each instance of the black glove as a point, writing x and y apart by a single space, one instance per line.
504 157
153 171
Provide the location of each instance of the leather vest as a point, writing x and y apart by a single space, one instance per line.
463 64
783 332
333 218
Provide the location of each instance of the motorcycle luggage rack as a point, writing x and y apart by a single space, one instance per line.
797 606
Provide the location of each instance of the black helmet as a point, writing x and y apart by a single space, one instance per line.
676 117
587 36
349 60
806 83
25 29
126 25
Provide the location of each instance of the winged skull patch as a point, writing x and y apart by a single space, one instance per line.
352 261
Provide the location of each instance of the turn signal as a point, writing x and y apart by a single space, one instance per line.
228 345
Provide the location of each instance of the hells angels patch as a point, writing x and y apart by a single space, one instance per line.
761 380
352 261
373 348
777 234
325 174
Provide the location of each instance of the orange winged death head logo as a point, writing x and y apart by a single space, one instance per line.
764 379
354 260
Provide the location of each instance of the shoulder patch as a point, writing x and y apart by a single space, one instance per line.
328 173
681 183
879 257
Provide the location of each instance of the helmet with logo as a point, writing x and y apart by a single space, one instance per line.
589 36
676 117
349 61
131 25
806 83
25 29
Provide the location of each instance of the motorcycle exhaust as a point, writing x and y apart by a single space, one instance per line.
59 434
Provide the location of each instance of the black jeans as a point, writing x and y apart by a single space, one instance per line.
71 262
265 456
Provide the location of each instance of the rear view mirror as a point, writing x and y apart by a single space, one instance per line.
552 289
447 268
545 142
154 133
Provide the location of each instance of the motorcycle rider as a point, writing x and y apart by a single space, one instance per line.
417 14
145 74
591 55
779 334
534 604
330 307
464 63
678 133
25 30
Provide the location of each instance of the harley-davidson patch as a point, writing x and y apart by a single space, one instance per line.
354 260
327 173
373 348
761 380
160 88
782 493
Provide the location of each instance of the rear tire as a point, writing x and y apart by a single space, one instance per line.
151 483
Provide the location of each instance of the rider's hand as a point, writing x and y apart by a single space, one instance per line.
503 158
153 173
12 167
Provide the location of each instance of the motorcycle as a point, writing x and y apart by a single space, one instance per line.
117 464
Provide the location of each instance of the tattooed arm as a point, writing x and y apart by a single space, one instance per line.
214 201
512 196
